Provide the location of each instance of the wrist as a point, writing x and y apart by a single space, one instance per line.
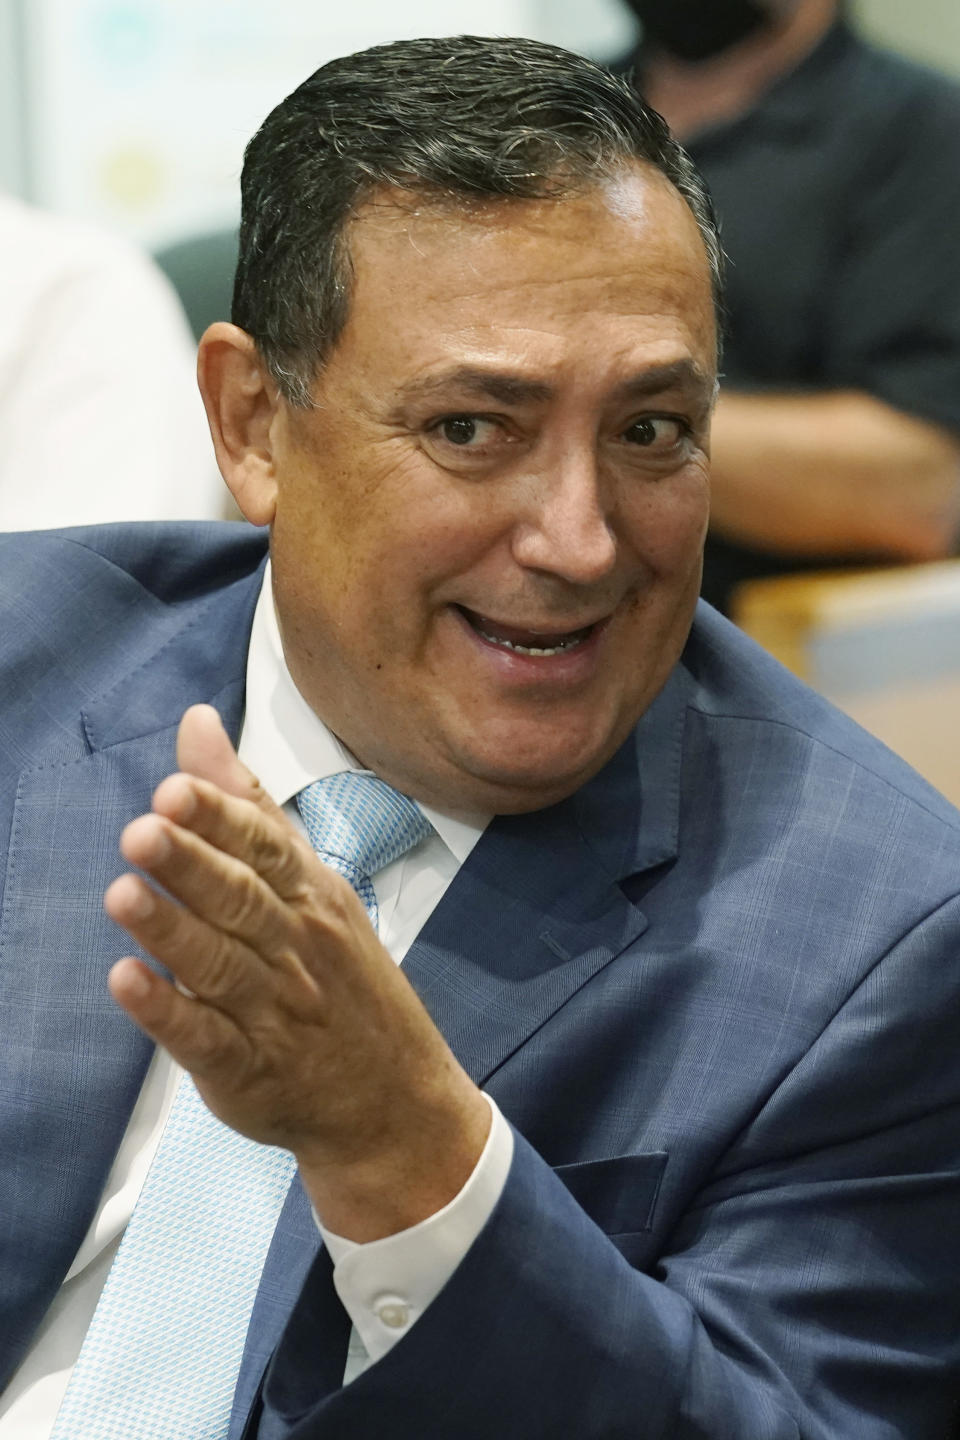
425 1161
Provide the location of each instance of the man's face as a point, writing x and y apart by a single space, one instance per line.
487 533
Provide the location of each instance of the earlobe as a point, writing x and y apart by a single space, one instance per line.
240 399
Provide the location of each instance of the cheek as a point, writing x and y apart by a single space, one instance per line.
443 536
667 523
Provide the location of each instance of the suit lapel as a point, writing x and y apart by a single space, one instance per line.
538 909
72 1071
528 920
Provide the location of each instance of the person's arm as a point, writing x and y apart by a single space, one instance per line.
833 474
869 465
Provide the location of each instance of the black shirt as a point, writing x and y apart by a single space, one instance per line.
839 201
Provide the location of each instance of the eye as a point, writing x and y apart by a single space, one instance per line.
465 430
656 432
467 443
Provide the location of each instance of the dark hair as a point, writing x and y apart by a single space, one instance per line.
468 117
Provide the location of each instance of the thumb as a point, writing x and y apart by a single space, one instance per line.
204 750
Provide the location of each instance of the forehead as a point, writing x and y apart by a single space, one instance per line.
621 263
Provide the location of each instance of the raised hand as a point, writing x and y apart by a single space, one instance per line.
297 1026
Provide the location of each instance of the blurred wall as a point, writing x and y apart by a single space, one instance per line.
929 30
134 113
12 99
599 28
137 111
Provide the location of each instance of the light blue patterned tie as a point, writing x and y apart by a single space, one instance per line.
357 824
162 1354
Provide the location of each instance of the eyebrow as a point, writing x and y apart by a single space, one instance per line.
497 385
682 374
511 389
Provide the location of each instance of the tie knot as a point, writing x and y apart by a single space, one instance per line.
358 823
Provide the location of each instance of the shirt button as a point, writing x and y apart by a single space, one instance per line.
392 1312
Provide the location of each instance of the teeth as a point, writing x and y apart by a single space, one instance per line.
558 649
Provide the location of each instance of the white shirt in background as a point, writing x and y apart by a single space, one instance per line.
100 414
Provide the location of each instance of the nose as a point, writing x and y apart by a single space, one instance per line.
564 527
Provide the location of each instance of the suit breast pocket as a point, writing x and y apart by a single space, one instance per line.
620 1195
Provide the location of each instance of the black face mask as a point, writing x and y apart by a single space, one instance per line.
698 29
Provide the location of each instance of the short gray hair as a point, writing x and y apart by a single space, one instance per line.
463 118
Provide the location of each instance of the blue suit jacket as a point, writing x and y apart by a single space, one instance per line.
716 993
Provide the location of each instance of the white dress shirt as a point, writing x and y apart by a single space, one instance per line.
384 1285
99 409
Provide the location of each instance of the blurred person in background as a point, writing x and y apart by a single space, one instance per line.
94 427
835 169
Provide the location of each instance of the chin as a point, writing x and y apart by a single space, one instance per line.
534 783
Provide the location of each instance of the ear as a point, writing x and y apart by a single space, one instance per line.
241 401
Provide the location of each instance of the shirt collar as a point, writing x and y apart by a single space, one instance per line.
287 746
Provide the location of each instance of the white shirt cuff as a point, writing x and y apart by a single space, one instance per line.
386 1285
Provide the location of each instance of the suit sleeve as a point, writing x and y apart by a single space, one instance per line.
811 1290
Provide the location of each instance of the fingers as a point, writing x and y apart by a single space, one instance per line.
217 968
204 750
266 843
229 902
228 807
221 800
218 888
253 897
196 1035
297 1026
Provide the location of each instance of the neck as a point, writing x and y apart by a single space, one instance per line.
693 96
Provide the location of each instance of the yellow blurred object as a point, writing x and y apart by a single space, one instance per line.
883 645
134 177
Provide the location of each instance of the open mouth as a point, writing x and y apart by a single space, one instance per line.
538 643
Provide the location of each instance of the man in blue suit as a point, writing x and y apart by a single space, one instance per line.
655 1133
